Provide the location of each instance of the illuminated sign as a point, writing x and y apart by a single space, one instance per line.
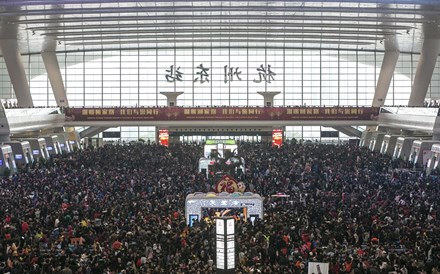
215 142
248 204
36 152
277 138
164 137
18 156
220 227
111 134
193 218
329 134
230 243
225 243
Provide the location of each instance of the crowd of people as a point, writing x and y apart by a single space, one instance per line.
431 103
120 209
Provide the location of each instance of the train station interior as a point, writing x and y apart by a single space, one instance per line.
85 75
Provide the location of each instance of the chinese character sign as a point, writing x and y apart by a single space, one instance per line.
173 75
203 74
230 72
264 74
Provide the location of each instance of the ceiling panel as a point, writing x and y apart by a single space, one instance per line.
41 25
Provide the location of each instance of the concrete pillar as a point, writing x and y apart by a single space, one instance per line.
389 62
426 65
171 98
56 80
16 71
436 129
268 97
5 132
386 75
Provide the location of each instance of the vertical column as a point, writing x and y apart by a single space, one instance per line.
56 80
5 131
426 65
268 97
171 98
436 129
16 72
388 64
386 74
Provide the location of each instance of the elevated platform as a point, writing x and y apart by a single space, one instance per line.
424 119
420 119
32 119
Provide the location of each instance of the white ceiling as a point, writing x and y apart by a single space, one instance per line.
69 25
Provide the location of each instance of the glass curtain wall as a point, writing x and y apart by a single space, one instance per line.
220 76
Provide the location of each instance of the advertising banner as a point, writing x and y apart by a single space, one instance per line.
221 113
277 138
164 137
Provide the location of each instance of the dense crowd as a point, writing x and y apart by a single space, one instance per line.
120 209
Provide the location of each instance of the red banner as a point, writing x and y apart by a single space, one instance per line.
277 138
221 113
164 137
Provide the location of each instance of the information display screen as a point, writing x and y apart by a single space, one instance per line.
164 137
230 227
277 138
220 243
220 228
225 242
192 219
